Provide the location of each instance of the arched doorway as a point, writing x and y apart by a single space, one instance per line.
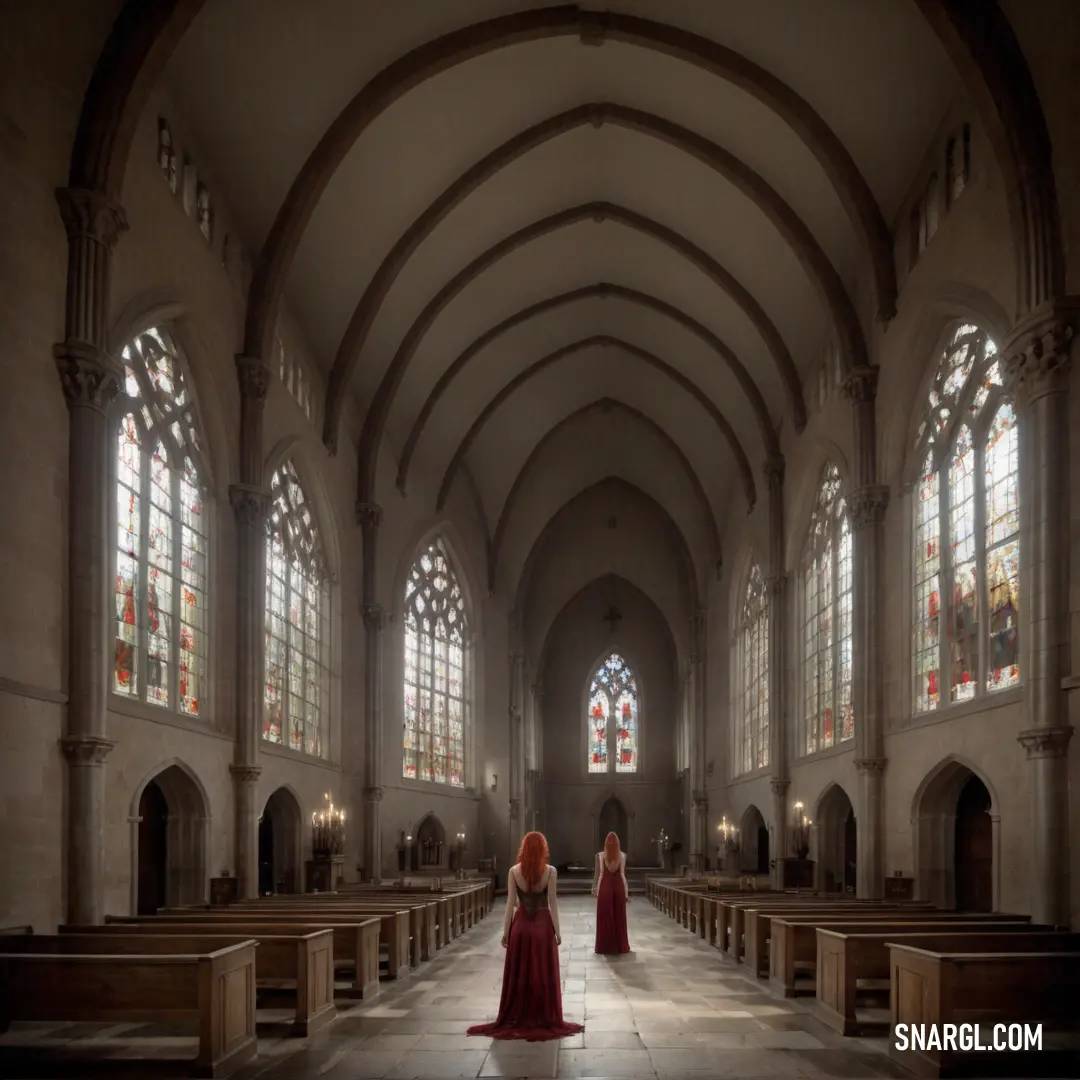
612 818
834 818
279 843
430 848
955 839
170 857
753 842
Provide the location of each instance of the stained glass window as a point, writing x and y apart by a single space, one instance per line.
828 715
297 678
967 530
160 590
433 743
752 723
612 720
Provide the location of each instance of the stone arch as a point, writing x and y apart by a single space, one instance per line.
430 849
170 849
754 842
832 828
933 824
281 842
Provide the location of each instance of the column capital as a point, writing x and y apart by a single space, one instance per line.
88 375
253 376
86 749
775 585
774 471
374 616
515 808
368 515
251 505
1036 356
373 794
89 215
875 765
1049 742
245 774
779 785
860 384
867 505
514 713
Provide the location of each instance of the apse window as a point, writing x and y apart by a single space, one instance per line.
752 703
433 743
966 596
828 715
297 679
160 590
612 720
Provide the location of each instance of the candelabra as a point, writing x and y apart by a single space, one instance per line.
328 831
728 843
800 832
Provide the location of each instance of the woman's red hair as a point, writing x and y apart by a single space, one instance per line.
612 850
533 857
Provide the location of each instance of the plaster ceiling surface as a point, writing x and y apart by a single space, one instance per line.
259 82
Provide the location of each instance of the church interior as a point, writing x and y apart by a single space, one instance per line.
424 423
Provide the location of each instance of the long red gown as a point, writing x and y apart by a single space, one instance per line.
611 936
531 1003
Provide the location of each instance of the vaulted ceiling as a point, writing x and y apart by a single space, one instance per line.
533 241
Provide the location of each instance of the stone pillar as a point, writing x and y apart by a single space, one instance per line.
699 798
369 515
1037 361
776 593
866 502
517 747
778 833
90 379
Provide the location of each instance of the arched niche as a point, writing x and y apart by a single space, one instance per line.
430 850
834 831
611 813
169 856
280 843
754 853
956 838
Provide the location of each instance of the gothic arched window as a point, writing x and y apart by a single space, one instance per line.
433 744
828 715
162 534
752 710
966 530
297 689
612 719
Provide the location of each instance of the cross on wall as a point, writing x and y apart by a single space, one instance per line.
612 618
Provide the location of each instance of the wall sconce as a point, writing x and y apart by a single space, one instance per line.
494 781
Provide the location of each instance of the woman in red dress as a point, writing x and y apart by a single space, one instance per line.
612 895
531 1004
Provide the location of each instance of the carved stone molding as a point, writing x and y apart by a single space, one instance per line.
245 774
374 617
253 376
90 377
373 794
1050 742
89 215
515 808
1037 354
874 765
251 505
514 713
775 584
779 786
867 505
774 472
368 515
860 385
86 749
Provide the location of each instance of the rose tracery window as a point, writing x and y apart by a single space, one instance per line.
433 746
162 536
828 715
752 705
612 720
966 530
297 678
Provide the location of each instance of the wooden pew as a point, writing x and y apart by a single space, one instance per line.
303 962
215 988
737 909
1022 985
356 940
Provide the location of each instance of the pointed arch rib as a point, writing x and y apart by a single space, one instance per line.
379 409
537 452
602 289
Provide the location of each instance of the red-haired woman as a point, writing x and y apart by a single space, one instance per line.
531 1004
612 895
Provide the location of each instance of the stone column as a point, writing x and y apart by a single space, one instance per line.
699 798
250 500
866 502
517 746
369 516
90 379
1037 360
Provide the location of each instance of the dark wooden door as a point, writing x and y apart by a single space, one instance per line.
153 849
612 819
763 849
266 855
974 849
850 850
